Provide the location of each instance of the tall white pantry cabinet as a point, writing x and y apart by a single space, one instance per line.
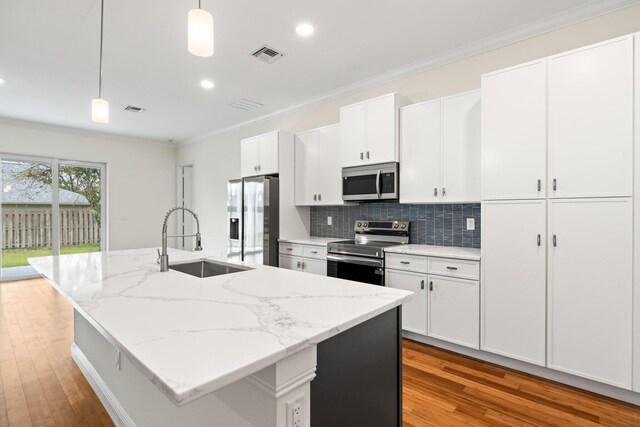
558 197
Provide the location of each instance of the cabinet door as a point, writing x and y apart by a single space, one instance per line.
514 284
290 263
514 129
461 148
268 153
382 130
315 266
307 169
249 156
591 121
454 310
328 171
353 135
590 289
414 312
420 155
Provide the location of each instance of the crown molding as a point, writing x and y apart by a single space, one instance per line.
593 9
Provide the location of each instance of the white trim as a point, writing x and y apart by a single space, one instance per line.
284 388
115 410
591 10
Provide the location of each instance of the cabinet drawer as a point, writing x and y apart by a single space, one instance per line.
291 249
455 268
406 262
317 252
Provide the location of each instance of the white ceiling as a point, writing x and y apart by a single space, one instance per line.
49 54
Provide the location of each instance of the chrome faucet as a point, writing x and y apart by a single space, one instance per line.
163 258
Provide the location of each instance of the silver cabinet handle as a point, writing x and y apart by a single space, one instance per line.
555 241
444 192
405 262
367 155
319 197
259 168
315 198
314 252
361 156
289 249
255 169
539 240
304 265
435 192
298 265
452 268
555 184
431 285
378 183
422 284
539 185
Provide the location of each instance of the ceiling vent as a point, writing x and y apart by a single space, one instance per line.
134 109
245 104
268 54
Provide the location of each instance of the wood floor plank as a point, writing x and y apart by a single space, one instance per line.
17 409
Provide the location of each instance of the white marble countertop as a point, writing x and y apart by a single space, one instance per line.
471 254
312 241
191 336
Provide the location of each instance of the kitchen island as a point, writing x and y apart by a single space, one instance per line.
252 348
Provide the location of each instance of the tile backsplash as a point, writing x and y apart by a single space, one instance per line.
443 225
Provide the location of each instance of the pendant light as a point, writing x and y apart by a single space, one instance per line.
100 107
200 31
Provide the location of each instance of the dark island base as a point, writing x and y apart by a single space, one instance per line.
359 376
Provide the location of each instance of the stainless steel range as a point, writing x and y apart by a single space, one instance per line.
362 259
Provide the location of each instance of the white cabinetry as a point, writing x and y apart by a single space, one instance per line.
369 131
414 312
591 121
514 132
514 279
590 288
454 310
318 171
305 258
440 150
259 155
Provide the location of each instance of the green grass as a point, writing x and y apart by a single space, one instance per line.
18 257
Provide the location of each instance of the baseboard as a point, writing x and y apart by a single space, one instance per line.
114 408
539 371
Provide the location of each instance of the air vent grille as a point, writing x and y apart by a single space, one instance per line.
245 104
268 54
134 109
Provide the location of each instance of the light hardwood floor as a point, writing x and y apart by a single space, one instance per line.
41 385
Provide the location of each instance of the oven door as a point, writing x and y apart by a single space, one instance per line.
359 269
371 182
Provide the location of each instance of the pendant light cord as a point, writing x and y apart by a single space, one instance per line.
101 36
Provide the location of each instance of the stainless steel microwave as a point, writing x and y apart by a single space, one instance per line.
370 182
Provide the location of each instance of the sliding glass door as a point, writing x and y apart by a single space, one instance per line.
48 207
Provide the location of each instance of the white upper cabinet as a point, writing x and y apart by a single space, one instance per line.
440 150
591 121
461 148
318 173
259 155
514 284
514 132
590 289
369 131
420 152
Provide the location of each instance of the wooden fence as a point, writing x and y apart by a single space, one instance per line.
32 228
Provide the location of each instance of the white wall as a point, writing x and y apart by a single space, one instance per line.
141 182
217 157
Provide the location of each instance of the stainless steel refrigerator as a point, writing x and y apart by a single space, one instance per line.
253 234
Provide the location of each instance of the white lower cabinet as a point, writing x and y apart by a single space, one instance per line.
304 258
514 288
414 312
454 310
590 289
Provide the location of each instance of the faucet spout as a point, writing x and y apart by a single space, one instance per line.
163 256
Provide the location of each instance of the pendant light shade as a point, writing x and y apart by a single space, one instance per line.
200 32
99 110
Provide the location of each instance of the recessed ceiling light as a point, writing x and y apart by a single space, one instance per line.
207 84
1 80
305 30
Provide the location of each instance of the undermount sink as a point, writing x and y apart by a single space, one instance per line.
204 268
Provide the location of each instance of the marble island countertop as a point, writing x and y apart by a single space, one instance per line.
471 254
191 336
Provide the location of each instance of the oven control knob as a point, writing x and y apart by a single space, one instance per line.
364 225
395 225
403 226
359 224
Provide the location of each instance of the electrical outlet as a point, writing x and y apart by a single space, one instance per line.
471 224
329 220
295 412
